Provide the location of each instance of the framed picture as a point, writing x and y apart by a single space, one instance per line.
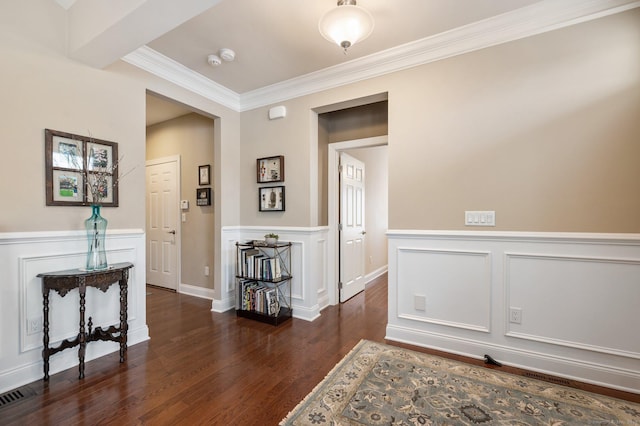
203 196
80 170
68 186
271 199
270 169
67 153
204 173
99 157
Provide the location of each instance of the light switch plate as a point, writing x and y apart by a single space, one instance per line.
480 218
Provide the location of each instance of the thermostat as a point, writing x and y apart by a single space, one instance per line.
184 204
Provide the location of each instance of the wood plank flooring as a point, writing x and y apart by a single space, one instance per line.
207 368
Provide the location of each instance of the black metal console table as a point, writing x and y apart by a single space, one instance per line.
64 281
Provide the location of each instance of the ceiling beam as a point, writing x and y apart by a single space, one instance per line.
100 33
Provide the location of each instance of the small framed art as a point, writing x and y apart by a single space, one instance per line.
203 197
270 169
204 175
271 199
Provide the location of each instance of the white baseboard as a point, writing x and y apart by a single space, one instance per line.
32 371
565 367
221 306
307 314
375 274
192 290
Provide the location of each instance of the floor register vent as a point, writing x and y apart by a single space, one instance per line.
548 378
14 396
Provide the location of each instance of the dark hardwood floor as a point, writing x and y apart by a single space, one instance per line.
202 367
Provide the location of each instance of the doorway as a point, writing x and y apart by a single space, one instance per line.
162 226
177 130
373 152
352 230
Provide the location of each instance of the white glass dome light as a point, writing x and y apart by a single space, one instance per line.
346 25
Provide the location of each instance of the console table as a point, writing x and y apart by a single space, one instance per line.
64 281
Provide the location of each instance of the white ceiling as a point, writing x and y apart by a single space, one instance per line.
280 53
277 40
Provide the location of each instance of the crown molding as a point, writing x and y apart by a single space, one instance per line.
166 68
66 4
538 18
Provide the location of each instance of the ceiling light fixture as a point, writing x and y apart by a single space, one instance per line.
346 25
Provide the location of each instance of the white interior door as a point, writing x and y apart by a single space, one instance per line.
163 232
352 231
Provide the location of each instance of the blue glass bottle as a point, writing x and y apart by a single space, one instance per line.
96 227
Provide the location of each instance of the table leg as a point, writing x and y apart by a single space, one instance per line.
45 331
82 335
123 315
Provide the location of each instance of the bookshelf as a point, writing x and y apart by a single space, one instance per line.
263 281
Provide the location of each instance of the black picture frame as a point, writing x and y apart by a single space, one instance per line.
204 175
73 162
271 199
203 196
270 169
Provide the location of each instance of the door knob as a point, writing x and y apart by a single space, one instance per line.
364 232
173 231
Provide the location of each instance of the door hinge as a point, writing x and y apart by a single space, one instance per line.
340 285
339 227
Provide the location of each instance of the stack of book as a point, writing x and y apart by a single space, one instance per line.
252 263
257 297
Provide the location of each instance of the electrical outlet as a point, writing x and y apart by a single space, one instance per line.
34 325
206 271
419 302
515 315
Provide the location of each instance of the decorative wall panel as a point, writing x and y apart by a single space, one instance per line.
580 302
456 286
575 297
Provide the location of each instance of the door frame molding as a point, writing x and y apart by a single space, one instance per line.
333 201
154 162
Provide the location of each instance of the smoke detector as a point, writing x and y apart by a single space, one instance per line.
214 60
227 55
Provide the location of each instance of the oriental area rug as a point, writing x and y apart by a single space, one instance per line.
377 384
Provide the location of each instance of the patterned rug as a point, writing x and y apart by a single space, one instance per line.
377 384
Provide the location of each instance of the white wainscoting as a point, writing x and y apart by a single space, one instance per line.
309 253
578 295
22 257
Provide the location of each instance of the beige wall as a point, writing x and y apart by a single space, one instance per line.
342 125
365 121
324 129
192 138
43 89
289 136
543 130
